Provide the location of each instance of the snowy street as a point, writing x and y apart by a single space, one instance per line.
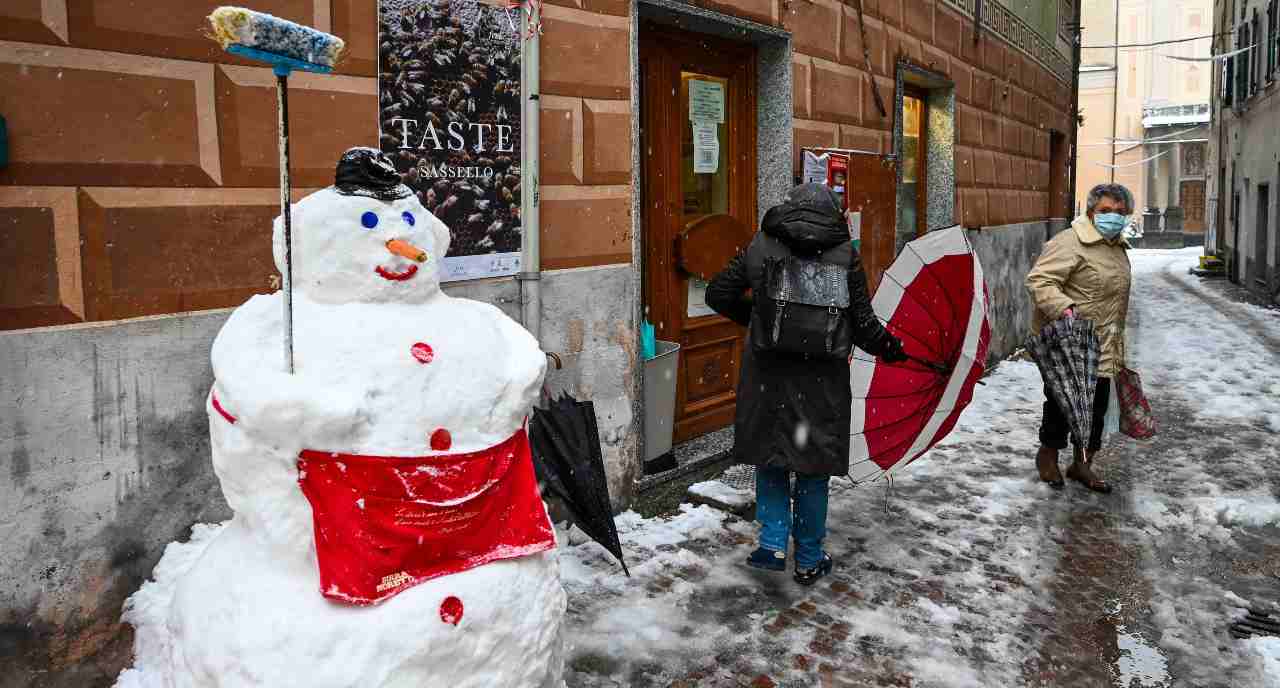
977 574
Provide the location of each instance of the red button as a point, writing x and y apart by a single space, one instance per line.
422 352
441 440
451 610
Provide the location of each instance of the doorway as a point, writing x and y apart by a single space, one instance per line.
1191 194
1261 232
1061 205
915 161
698 205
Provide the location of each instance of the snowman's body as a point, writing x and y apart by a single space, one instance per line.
383 364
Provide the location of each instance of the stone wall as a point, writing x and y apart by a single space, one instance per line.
1008 254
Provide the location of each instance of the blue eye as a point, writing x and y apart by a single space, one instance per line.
369 220
408 217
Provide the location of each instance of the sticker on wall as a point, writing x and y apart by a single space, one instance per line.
706 147
706 101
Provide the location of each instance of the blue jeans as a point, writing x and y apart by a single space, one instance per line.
807 521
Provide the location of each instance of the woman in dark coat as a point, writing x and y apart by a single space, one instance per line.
793 412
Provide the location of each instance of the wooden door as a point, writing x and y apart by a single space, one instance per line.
698 206
872 192
1192 195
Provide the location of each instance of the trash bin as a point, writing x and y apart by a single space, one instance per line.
660 399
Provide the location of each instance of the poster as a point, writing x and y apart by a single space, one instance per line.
706 147
706 101
815 167
449 96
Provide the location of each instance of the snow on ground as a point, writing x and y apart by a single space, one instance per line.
1187 344
948 566
721 493
955 573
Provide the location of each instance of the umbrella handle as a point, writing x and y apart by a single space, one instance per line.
935 367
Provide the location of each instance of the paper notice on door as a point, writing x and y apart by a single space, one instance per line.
706 147
815 168
706 101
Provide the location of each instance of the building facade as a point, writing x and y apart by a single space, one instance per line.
137 202
1146 111
1244 149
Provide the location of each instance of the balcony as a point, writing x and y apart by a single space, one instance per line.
1168 115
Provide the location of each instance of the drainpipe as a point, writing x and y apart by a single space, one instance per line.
1115 94
530 275
1075 110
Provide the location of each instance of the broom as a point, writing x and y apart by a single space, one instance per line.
285 46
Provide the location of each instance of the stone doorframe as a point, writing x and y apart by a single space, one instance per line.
774 135
940 177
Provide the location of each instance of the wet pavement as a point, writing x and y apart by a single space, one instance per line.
973 573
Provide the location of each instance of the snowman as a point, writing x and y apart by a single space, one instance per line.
388 530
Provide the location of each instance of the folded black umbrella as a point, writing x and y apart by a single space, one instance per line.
567 458
1067 352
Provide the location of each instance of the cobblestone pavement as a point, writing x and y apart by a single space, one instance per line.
972 573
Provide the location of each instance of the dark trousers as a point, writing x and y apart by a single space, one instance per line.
1054 429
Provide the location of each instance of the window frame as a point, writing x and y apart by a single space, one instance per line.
1255 59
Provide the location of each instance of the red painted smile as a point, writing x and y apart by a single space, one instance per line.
394 276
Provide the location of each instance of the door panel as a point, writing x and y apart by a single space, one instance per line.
872 191
1192 195
698 206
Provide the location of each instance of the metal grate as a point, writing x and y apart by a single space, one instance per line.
1256 623
740 476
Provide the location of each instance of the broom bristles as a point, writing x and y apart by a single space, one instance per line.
268 33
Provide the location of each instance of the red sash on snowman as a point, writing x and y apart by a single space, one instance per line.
386 523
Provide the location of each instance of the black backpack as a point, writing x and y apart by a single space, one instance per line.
804 310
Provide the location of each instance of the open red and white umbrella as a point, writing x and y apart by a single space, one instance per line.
934 299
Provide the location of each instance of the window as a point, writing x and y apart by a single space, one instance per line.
1228 81
1273 44
1255 55
1242 67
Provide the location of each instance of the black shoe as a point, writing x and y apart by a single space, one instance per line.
768 559
811 576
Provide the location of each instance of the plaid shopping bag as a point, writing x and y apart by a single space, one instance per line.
1136 419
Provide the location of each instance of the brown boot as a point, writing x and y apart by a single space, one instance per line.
1081 471
1047 464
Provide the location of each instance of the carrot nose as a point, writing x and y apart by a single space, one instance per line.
405 249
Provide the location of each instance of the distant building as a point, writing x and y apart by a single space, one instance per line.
1146 114
1244 148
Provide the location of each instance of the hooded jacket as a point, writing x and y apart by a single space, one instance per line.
1081 269
792 413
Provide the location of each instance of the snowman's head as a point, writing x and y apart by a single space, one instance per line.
367 239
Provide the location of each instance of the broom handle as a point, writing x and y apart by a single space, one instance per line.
282 102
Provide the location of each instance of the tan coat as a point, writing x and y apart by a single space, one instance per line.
1082 270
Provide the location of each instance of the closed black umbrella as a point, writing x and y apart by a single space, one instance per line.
567 458
1067 352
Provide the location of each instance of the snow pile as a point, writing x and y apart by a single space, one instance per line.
386 365
719 492
1268 650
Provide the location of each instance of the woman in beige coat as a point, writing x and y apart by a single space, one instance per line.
1084 272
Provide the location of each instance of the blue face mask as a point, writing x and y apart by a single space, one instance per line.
1109 224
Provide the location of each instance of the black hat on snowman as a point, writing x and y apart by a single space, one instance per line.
369 172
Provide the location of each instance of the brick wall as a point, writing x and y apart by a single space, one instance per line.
1006 102
142 156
